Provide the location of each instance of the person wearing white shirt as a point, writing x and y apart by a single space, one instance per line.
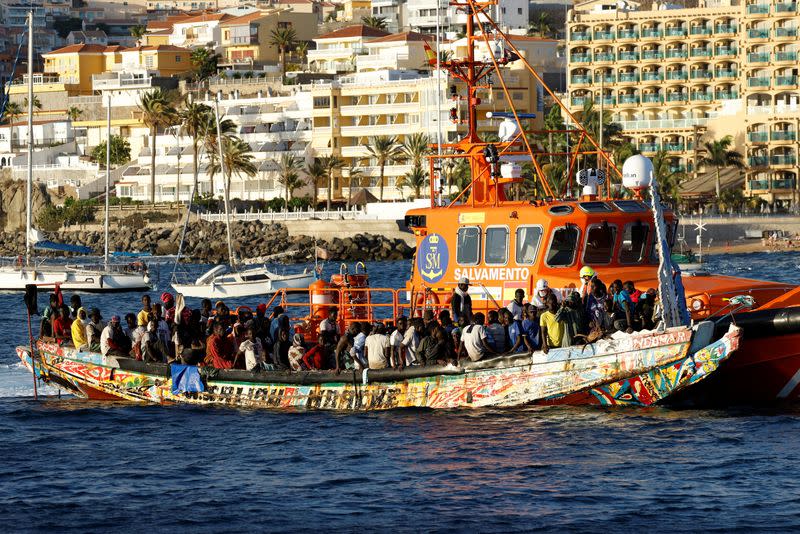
539 298
515 306
411 340
254 354
377 349
474 339
329 326
396 342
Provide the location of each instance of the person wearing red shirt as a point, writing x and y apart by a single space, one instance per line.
316 357
220 349
62 324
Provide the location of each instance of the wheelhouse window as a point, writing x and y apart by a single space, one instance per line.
468 245
527 244
634 243
600 239
563 246
496 251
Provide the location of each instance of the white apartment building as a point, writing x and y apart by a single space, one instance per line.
510 15
394 12
273 126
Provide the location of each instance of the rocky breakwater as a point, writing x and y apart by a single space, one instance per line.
206 242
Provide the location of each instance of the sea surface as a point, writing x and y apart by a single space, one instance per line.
68 465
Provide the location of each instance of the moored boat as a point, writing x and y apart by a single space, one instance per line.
220 282
639 369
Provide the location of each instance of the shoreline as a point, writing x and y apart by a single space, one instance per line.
747 247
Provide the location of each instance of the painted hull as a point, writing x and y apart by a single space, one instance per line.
650 365
72 279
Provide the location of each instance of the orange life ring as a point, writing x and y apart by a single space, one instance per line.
425 300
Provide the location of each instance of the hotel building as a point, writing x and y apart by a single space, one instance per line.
676 77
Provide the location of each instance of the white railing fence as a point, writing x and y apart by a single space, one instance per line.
302 215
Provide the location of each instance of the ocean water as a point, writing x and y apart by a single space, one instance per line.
69 465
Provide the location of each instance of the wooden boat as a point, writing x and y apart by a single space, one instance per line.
638 369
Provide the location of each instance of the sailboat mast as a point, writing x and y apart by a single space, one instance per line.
224 187
108 179
29 188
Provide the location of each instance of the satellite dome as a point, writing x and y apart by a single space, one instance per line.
637 172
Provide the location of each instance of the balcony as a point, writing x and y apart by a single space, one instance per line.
785 56
600 36
783 135
662 123
786 7
786 81
582 58
607 101
758 161
648 147
725 52
724 29
580 36
675 32
758 137
787 159
758 185
677 97
758 82
700 30
674 147
652 76
652 34
758 34
652 99
577 101
608 78
628 56
723 74
727 95
603 57
580 79
700 52
701 75
677 75
676 54
652 55
758 57
627 77
784 183
758 9
627 34
628 99
119 80
785 32
702 97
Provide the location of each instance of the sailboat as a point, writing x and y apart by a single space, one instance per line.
230 281
84 277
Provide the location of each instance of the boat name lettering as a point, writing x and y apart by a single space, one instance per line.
668 338
493 273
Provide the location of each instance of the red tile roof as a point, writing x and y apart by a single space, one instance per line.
403 37
205 17
244 19
78 48
357 30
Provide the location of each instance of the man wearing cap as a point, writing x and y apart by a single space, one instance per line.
541 292
461 303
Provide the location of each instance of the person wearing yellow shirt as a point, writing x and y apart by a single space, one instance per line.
79 330
552 329
144 314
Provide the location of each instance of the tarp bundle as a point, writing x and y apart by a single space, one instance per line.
62 247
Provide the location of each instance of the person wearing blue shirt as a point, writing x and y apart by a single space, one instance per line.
516 335
622 308
530 326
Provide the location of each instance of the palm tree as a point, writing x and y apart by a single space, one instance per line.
542 25
138 31
74 113
289 174
316 171
196 121
416 179
37 104
379 23
302 50
624 151
331 164
284 39
415 147
668 181
353 173
204 61
385 150
208 135
12 113
237 159
157 112
590 118
718 154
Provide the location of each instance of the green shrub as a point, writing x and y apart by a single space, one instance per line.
53 217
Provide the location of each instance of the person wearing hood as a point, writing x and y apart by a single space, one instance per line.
296 352
461 302
169 307
79 330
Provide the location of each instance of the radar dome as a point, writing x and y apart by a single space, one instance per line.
637 172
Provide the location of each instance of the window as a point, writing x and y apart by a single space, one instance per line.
527 244
634 242
519 11
600 240
177 59
468 247
563 246
496 252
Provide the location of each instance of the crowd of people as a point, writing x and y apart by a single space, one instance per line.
218 337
